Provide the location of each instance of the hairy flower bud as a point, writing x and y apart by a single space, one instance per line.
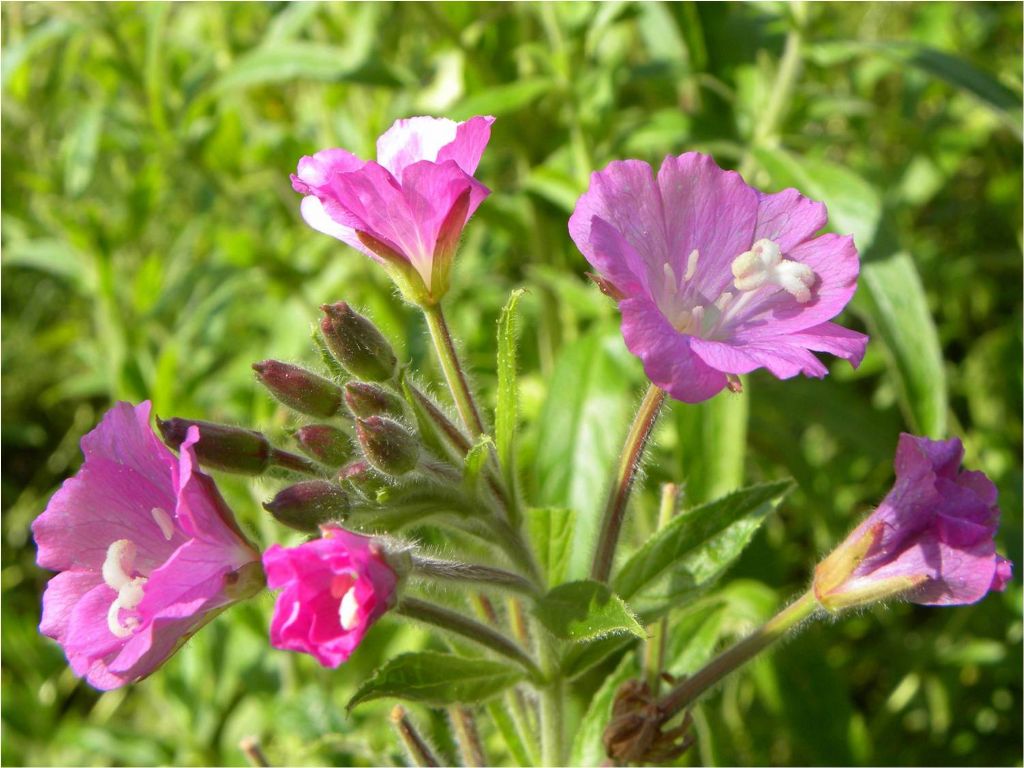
365 399
388 446
327 444
299 389
357 343
223 447
305 506
360 477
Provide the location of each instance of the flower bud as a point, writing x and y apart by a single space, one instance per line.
361 478
365 399
357 343
299 389
304 506
327 444
387 445
230 449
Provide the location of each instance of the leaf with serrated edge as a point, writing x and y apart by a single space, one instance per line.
585 610
691 530
438 679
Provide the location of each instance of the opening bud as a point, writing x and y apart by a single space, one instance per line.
305 506
357 343
299 389
364 399
327 444
230 449
387 445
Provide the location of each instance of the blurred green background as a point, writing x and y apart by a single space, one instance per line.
152 248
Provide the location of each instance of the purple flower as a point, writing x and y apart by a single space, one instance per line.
929 541
406 210
713 277
147 551
334 589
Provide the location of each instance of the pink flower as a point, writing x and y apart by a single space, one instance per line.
930 540
713 277
335 588
147 551
406 210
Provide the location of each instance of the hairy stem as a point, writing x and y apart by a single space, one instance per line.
552 706
453 373
690 689
654 655
419 751
447 570
618 495
464 724
450 621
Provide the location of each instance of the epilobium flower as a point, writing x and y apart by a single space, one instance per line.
147 551
406 210
929 541
334 589
713 277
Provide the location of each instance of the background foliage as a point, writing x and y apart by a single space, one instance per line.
152 248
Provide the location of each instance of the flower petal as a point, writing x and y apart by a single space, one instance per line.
668 359
788 218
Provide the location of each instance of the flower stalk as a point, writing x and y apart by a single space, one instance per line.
618 496
453 373
690 689
419 751
447 570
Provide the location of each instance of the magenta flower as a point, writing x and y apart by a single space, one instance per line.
334 589
406 210
147 551
713 277
930 540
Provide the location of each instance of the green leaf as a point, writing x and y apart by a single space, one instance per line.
580 657
854 206
588 747
551 532
712 446
81 150
703 541
582 425
438 679
475 461
585 610
505 414
897 313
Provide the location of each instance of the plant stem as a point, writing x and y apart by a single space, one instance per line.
504 718
471 572
419 751
782 89
468 736
654 656
453 373
618 495
450 621
552 704
692 687
253 752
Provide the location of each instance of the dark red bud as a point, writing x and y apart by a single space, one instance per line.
327 444
223 447
387 445
299 389
305 506
364 399
357 344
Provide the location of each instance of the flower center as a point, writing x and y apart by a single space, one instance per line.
117 569
692 313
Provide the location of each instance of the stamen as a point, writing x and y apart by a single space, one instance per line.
118 564
691 265
763 264
723 301
670 277
162 519
348 609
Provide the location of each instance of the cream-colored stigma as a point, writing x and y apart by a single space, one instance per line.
348 610
763 264
161 518
117 568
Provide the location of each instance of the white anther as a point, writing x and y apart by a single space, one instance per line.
691 265
763 264
163 519
118 564
349 608
723 301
